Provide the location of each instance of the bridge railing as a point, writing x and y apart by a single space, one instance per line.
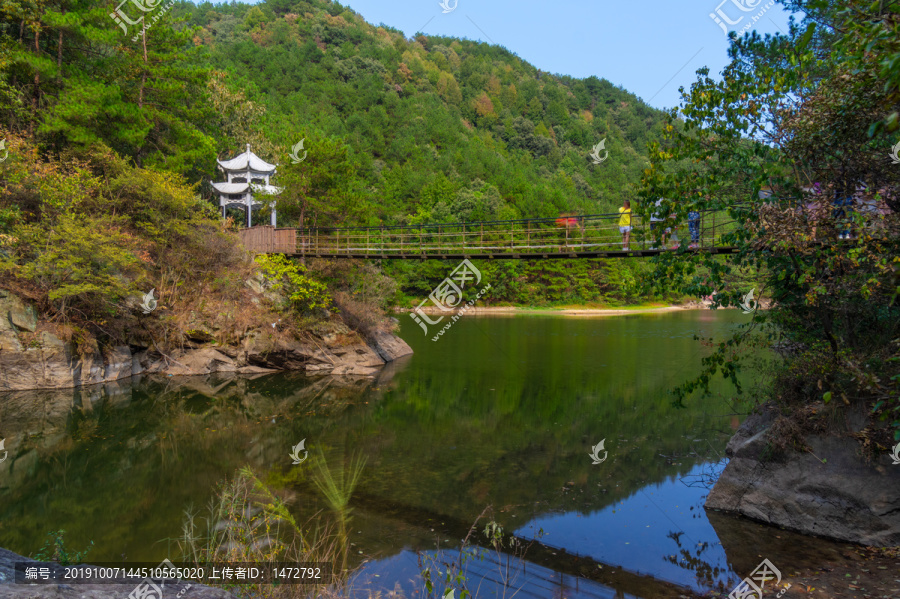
562 235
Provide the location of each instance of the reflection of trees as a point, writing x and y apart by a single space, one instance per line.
143 448
705 573
115 464
542 565
706 477
711 460
474 435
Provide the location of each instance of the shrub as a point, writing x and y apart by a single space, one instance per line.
54 549
304 293
82 264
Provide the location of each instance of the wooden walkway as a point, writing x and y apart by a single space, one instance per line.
587 236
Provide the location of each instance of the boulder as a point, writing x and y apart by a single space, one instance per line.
356 360
17 312
835 493
268 350
118 364
51 363
389 346
201 361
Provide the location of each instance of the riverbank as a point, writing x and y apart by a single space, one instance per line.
35 353
867 572
568 311
860 572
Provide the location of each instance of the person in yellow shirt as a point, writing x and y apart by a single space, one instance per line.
625 223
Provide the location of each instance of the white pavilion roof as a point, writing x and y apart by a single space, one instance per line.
247 161
231 187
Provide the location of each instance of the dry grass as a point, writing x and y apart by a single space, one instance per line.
361 292
362 316
249 523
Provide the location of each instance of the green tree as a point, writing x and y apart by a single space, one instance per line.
797 115
324 185
140 91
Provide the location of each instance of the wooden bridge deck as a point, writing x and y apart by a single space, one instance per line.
587 236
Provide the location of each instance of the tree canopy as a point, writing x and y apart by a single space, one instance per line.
794 143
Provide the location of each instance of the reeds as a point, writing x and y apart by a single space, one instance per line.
248 523
337 488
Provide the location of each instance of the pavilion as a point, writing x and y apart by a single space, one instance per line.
245 174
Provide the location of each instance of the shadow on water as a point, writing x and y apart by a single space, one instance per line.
500 412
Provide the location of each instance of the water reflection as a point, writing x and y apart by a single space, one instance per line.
500 412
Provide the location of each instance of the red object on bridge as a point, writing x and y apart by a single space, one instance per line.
567 221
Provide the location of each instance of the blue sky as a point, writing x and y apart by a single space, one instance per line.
649 47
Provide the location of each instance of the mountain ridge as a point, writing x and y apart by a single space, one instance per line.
437 128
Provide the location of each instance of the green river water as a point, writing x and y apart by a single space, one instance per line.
501 411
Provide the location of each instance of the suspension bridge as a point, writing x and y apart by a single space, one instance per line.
585 236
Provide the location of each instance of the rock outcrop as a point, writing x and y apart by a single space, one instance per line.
44 361
834 493
388 346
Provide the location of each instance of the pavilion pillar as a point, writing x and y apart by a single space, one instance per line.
273 216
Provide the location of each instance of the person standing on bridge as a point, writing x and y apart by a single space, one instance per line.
655 220
625 223
694 228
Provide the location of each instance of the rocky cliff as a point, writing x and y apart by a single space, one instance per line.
32 357
831 491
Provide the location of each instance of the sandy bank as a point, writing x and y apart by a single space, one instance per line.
505 310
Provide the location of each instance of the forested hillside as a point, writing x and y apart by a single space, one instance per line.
438 129
393 130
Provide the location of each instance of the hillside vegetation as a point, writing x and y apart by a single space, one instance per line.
394 130
84 238
437 129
